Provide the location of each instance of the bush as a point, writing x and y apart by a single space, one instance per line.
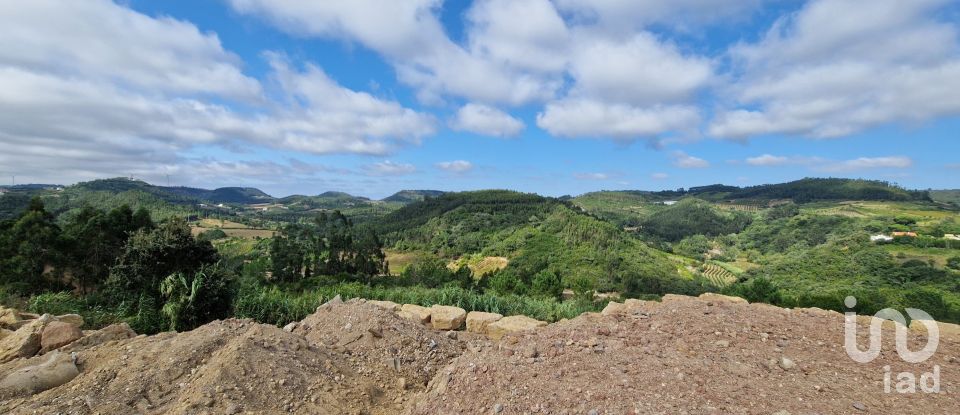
196 298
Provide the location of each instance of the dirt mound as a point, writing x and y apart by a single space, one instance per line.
685 355
691 356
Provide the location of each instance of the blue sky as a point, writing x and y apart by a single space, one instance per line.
554 97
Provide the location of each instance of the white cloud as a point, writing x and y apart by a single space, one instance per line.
389 168
686 161
767 160
455 166
591 176
486 120
597 119
526 34
837 67
93 89
659 176
864 163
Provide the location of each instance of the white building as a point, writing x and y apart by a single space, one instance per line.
881 238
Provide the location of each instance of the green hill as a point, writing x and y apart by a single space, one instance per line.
409 196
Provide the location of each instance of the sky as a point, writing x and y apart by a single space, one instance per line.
553 97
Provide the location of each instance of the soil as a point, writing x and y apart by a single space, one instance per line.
687 355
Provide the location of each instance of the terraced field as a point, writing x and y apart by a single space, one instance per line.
718 275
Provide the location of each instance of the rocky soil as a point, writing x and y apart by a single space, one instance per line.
688 355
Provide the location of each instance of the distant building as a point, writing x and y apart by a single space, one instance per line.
669 202
905 234
2 190
951 237
881 238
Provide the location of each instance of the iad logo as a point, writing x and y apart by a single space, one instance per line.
906 381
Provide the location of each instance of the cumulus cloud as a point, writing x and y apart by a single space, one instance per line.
486 120
767 160
686 161
626 15
389 168
597 119
659 176
591 176
864 163
814 74
140 91
455 166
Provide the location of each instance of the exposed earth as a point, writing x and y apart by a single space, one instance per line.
710 355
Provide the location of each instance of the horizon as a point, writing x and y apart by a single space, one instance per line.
548 97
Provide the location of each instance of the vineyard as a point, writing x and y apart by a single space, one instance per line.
718 275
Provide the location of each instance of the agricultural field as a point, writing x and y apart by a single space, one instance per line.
399 260
718 275
904 253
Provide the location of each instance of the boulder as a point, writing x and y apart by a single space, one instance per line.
444 317
114 332
74 319
58 334
720 298
512 324
9 318
614 308
58 369
25 342
386 305
477 321
415 313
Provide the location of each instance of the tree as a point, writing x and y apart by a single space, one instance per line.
150 256
547 283
28 247
193 299
954 262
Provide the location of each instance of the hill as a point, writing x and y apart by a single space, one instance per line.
409 196
231 195
946 196
539 236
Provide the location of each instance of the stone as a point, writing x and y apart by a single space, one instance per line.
386 305
9 318
613 308
720 298
415 313
25 342
443 317
477 321
58 369
58 334
5 333
113 332
859 406
786 364
289 328
74 319
512 324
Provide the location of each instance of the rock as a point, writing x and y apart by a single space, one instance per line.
477 321
110 333
333 301
386 305
723 343
614 308
512 324
786 364
402 383
444 317
58 334
57 370
74 319
415 313
720 298
9 318
289 328
25 342
452 335
498 408
5 333
633 303
859 406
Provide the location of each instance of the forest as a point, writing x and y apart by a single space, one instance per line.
118 251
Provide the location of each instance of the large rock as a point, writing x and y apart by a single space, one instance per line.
720 298
25 342
58 334
9 318
512 324
478 321
415 313
386 305
114 332
74 319
443 317
613 308
57 370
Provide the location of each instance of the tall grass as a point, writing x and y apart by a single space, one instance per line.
276 306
